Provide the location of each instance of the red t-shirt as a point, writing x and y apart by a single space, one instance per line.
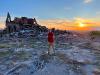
50 37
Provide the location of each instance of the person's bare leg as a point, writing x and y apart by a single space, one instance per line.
49 49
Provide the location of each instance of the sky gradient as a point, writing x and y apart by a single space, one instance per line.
61 14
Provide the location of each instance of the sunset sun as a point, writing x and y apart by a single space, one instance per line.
81 25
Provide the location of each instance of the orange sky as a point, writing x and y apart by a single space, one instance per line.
2 25
75 24
80 24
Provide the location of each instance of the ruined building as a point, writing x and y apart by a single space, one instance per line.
19 23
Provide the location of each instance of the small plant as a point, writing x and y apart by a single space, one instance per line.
4 46
95 33
5 53
22 55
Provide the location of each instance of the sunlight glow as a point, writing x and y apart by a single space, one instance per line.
81 25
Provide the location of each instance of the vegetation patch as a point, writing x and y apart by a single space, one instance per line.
5 53
5 46
22 55
95 33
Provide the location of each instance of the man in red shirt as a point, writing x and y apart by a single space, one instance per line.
51 42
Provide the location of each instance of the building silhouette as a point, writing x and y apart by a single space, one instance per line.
19 23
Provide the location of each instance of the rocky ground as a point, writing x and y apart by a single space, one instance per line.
28 56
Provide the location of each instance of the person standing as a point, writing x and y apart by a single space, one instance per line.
51 42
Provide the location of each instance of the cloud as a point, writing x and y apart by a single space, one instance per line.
36 17
62 24
2 18
67 8
83 20
87 1
98 13
2 22
2 25
73 24
90 22
55 21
